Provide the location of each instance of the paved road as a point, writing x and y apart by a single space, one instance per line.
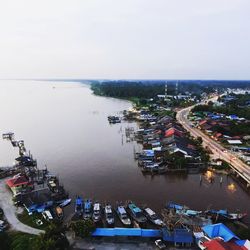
218 150
10 211
126 244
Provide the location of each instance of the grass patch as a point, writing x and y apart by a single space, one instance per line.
30 220
16 240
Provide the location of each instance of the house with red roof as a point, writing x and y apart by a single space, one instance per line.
219 244
173 132
18 183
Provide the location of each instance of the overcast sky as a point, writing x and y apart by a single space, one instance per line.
125 39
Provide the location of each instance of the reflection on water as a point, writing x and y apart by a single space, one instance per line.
231 187
66 128
209 176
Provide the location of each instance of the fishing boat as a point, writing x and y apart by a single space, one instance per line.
123 216
153 217
42 207
87 212
151 168
188 212
109 216
225 215
183 210
96 217
65 203
114 119
136 213
59 213
172 205
79 205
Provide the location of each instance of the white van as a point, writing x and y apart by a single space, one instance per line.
47 215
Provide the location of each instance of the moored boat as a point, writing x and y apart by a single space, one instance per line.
225 215
123 216
59 213
97 212
114 119
87 212
109 216
172 205
136 213
79 205
65 203
153 217
183 210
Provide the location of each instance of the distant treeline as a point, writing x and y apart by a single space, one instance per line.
128 89
148 89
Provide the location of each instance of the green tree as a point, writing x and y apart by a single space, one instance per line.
4 241
83 228
53 239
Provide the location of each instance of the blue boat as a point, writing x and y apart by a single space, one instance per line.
79 205
87 212
44 206
224 215
136 213
172 205
183 210
64 203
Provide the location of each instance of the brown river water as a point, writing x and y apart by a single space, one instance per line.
65 127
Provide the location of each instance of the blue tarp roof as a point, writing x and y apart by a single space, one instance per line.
219 230
127 232
183 236
178 236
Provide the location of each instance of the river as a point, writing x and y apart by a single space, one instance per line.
65 127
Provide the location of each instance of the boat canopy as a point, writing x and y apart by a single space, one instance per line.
137 210
79 201
148 153
108 209
149 211
188 212
97 206
87 204
221 212
134 208
121 210
175 206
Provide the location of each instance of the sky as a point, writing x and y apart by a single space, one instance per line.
125 39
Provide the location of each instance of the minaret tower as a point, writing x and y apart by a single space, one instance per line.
176 88
166 91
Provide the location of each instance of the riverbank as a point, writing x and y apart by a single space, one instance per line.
78 145
11 212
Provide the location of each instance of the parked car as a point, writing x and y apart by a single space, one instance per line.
3 225
201 241
47 215
159 243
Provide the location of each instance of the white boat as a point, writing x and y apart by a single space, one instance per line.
153 217
65 203
96 212
109 217
123 216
